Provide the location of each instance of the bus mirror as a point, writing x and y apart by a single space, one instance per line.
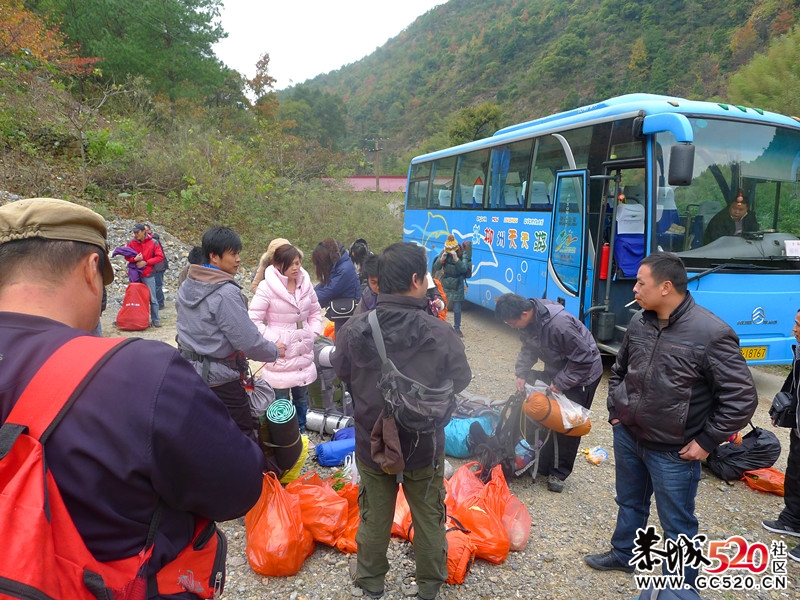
681 164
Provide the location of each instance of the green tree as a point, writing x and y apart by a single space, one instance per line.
170 42
475 122
771 80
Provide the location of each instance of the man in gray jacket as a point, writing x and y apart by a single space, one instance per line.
679 388
215 333
572 365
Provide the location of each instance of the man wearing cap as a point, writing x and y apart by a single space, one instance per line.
149 254
145 431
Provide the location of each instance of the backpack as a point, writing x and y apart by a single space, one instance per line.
759 449
500 448
415 406
44 555
134 314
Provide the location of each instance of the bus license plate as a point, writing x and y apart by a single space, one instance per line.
754 352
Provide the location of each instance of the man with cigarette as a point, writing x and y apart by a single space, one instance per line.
572 366
679 388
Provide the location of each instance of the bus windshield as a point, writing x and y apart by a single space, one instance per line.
757 163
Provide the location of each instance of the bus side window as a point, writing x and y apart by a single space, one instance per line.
539 198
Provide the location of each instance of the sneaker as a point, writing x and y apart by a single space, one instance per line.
778 527
156 323
607 562
554 484
459 334
794 554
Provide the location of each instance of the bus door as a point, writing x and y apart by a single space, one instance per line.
566 260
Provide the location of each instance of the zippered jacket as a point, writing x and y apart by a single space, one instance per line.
563 343
687 381
294 319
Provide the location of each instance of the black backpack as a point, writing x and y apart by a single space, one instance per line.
759 450
500 448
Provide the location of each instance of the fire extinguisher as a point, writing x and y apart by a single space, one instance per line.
606 251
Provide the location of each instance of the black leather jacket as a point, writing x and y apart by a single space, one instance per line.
683 382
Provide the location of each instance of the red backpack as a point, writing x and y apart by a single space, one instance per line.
134 314
43 554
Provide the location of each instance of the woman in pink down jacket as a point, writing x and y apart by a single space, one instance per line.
285 309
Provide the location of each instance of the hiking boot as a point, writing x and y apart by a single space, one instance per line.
778 527
794 554
357 591
554 484
606 562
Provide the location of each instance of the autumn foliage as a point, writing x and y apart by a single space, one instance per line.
25 35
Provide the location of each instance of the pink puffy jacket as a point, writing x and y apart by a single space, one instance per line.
295 320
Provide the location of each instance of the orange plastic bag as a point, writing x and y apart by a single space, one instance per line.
482 515
460 550
465 483
347 540
547 411
516 519
402 515
323 511
277 541
765 480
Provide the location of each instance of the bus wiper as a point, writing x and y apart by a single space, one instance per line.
722 266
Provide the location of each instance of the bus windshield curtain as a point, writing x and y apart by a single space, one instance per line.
501 158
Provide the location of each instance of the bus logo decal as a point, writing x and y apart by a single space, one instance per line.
758 317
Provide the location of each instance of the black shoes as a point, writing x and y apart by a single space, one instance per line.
778 527
607 562
554 484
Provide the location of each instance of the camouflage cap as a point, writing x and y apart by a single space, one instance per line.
53 219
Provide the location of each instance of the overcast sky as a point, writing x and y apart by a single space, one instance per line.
305 38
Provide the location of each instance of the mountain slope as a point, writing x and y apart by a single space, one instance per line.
533 57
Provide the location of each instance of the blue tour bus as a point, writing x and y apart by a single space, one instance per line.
564 207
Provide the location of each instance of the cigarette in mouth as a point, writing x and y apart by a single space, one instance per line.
631 303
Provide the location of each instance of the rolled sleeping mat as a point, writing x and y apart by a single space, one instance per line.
547 411
284 433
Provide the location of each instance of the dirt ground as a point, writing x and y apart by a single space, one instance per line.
565 527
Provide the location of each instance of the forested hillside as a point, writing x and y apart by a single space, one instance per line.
124 106
533 57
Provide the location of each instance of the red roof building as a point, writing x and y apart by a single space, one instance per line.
367 183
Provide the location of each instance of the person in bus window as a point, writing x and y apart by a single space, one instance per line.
733 220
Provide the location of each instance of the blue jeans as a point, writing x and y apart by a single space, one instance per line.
299 397
640 472
456 315
159 277
150 282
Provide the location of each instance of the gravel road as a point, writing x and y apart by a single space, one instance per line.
566 526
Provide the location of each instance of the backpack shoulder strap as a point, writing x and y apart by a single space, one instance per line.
377 335
59 381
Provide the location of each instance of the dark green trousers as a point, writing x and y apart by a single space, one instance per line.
377 493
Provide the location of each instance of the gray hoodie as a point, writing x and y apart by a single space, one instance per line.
213 322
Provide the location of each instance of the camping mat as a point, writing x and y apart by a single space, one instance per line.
284 433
